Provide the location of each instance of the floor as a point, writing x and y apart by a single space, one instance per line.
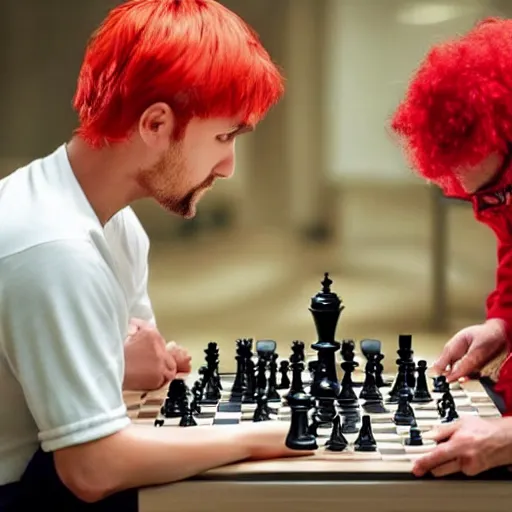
220 287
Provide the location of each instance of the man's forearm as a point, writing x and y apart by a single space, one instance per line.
141 456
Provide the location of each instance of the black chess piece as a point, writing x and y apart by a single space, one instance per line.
440 384
321 387
348 396
350 420
347 350
159 422
174 404
415 438
404 415
243 353
405 363
326 308
251 384
284 368
313 426
371 349
337 442
188 420
379 370
261 377
299 437
421 392
213 385
298 351
313 371
325 412
272 393
262 411
238 384
365 441
196 398
446 408
370 392
451 414
297 366
399 384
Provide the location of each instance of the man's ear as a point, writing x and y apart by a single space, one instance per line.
156 125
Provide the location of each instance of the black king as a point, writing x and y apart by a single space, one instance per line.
326 308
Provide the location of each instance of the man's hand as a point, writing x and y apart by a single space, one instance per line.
470 446
470 350
149 362
181 357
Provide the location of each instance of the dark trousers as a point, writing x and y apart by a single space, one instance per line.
41 487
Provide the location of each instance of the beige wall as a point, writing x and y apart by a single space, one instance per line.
344 72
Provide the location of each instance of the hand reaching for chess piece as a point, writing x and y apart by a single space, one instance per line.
149 362
469 350
470 446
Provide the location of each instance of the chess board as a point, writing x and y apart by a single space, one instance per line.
393 456
326 394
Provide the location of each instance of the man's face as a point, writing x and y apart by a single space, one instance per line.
472 179
190 166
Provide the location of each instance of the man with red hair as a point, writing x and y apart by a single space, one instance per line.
456 125
165 88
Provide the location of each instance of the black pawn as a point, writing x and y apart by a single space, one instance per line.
365 441
370 392
299 437
337 442
262 411
404 414
451 414
188 419
421 392
440 384
415 438
284 367
272 393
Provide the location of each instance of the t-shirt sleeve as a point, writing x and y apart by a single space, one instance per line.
63 322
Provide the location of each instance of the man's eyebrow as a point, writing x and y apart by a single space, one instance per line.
243 128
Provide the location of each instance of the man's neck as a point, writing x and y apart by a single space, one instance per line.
106 176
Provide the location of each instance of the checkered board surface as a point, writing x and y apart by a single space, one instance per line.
470 398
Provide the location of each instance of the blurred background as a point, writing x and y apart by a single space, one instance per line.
319 187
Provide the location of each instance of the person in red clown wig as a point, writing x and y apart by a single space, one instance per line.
165 89
455 124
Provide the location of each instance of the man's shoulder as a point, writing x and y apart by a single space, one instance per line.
36 208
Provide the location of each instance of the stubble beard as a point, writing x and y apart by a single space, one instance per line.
167 178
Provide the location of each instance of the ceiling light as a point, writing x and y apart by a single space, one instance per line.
432 14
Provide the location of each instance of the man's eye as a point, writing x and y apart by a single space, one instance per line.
226 137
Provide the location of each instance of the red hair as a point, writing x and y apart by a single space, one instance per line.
458 108
195 55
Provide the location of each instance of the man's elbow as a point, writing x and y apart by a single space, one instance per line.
84 471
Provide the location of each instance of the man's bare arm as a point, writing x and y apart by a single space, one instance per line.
142 456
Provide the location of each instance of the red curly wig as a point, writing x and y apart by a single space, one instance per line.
195 55
458 107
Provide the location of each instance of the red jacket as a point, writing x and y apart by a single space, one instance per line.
492 206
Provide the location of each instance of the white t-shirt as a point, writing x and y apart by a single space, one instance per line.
68 288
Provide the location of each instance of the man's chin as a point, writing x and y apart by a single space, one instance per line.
190 213
185 212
